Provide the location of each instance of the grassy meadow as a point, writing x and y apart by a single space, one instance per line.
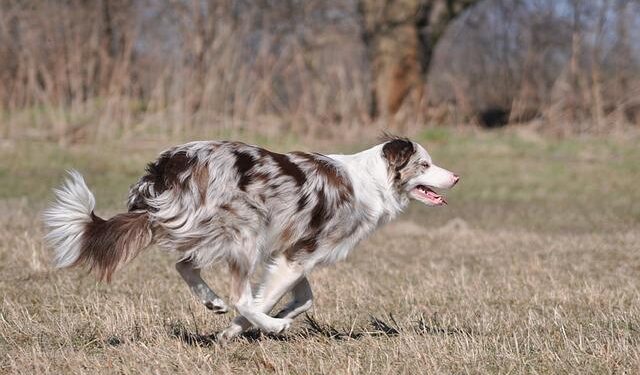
533 267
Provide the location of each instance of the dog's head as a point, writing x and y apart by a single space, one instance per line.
413 173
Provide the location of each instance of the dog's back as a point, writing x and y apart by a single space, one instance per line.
224 199
212 201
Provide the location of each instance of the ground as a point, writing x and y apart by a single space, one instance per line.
533 267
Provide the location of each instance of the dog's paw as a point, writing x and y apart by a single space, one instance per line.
218 306
278 326
223 338
229 333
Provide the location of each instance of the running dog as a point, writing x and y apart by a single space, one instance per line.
218 201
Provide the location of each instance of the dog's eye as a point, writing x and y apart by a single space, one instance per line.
425 164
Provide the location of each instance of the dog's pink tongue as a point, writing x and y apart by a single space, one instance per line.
436 198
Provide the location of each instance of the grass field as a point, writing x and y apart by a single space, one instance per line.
534 267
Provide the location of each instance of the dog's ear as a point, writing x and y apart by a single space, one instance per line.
398 152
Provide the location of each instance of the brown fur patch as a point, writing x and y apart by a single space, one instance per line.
306 244
200 176
286 166
320 213
309 243
303 201
108 243
398 152
163 174
332 174
264 177
165 171
244 164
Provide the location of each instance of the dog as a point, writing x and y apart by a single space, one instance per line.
251 208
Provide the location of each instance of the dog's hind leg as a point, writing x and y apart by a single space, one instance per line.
280 277
199 287
301 302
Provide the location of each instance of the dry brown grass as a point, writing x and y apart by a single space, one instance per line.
533 268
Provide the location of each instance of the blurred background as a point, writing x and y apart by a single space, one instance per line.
532 267
75 71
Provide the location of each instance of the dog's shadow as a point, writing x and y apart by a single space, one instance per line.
196 339
377 328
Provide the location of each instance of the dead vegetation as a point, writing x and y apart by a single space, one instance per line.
532 268
85 71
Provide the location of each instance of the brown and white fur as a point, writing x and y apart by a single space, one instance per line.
247 207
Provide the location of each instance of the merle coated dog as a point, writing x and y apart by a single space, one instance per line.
217 201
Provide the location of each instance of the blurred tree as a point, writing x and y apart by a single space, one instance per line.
400 37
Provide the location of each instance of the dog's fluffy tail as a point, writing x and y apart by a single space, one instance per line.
79 237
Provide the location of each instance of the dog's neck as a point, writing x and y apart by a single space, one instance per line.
373 188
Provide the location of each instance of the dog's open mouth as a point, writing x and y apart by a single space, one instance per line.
427 195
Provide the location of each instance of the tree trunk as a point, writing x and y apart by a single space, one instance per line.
400 38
